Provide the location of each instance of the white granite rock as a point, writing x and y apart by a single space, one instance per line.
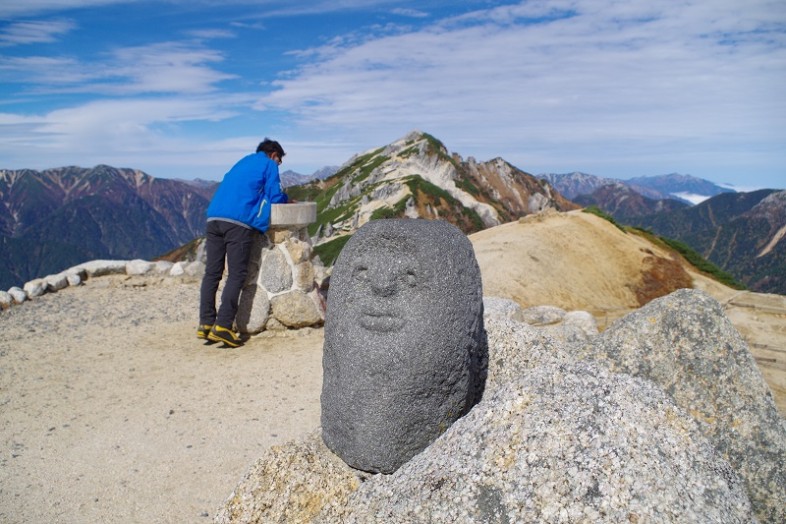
194 269
74 278
99 268
583 320
6 300
35 288
561 443
685 344
177 269
162 267
17 294
296 310
541 315
139 267
56 282
253 309
500 307
275 273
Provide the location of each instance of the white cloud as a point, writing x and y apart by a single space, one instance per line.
33 32
119 132
412 13
167 67
210 34
693 198
11 9
604 77
43 70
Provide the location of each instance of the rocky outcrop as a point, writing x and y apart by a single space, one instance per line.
686 345
417 177
561 443
617 427
292 483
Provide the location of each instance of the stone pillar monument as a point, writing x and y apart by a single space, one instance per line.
281 290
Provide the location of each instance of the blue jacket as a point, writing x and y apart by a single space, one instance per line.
246 193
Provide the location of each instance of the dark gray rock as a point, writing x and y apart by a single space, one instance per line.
405 349
684 343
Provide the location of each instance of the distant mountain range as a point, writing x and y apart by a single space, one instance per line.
53 219
57 218
685 188
742 233
625 203
291 178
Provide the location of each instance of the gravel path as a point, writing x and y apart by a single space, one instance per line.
112 411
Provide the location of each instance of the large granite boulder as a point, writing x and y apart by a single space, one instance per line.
561 443
290 484
405 349
686 345
558 443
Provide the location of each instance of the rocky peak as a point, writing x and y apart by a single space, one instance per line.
416 176
574 184
772 207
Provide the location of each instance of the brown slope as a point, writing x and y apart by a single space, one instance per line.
578 261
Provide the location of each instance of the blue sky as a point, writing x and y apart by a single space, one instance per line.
183 88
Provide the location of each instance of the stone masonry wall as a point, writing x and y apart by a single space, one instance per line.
283 287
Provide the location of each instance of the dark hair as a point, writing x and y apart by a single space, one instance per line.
269 147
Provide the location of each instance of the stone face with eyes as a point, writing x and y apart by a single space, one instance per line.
405 350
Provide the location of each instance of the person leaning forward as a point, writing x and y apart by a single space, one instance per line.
239 209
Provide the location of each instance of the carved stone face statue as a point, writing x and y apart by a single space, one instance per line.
383 286
405 351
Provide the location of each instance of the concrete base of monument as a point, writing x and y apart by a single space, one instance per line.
295 215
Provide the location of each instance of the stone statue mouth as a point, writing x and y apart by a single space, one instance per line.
381 321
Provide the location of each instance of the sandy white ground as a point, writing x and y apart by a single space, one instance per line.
112 411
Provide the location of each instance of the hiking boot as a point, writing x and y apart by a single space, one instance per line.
203 331
222 334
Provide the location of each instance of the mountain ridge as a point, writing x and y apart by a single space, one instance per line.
57 218
623 202
63 216
742 233
417 177
686 188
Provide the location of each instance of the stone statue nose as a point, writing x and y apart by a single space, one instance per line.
383 282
